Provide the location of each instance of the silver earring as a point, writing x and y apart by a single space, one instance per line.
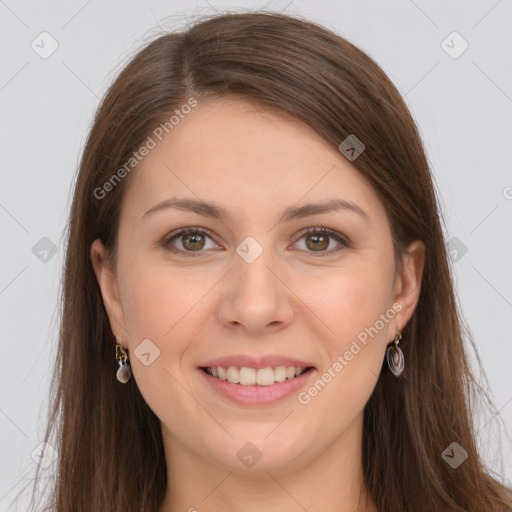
124 371
395 356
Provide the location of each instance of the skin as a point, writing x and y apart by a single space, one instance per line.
291 301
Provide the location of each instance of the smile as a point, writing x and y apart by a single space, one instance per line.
246 376
259 387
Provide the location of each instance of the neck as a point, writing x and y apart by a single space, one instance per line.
331 481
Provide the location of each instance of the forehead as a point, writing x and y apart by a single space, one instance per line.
246 157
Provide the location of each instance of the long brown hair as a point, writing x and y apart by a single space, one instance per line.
109 443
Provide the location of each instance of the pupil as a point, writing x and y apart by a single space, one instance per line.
319 241
194 239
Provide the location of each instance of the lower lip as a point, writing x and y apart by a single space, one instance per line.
257 395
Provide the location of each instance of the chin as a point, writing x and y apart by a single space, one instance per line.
258 451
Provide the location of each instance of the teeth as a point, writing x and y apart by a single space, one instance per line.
233 376
246 376
251 376
280 374
265 377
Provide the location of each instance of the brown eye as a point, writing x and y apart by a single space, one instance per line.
188 241
318 240
193 241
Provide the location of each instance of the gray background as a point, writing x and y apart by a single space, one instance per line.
462 105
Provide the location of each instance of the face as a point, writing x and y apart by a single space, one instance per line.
252 282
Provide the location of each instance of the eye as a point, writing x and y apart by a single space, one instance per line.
193 240
319 239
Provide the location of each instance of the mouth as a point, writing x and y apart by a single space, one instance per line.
247 376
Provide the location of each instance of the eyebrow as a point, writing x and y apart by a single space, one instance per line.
207 209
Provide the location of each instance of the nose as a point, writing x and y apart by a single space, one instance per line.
255 297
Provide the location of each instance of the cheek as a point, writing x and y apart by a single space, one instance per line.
356 309
351 300
161 307
167 306
157 299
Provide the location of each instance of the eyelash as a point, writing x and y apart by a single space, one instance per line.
166 242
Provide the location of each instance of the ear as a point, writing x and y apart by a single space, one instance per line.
408 286
106 277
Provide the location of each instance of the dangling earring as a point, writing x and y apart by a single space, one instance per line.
124 371
395 356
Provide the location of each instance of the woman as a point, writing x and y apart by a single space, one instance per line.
258 311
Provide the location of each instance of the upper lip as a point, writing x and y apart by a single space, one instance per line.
241 360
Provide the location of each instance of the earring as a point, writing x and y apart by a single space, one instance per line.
124 371
395 356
